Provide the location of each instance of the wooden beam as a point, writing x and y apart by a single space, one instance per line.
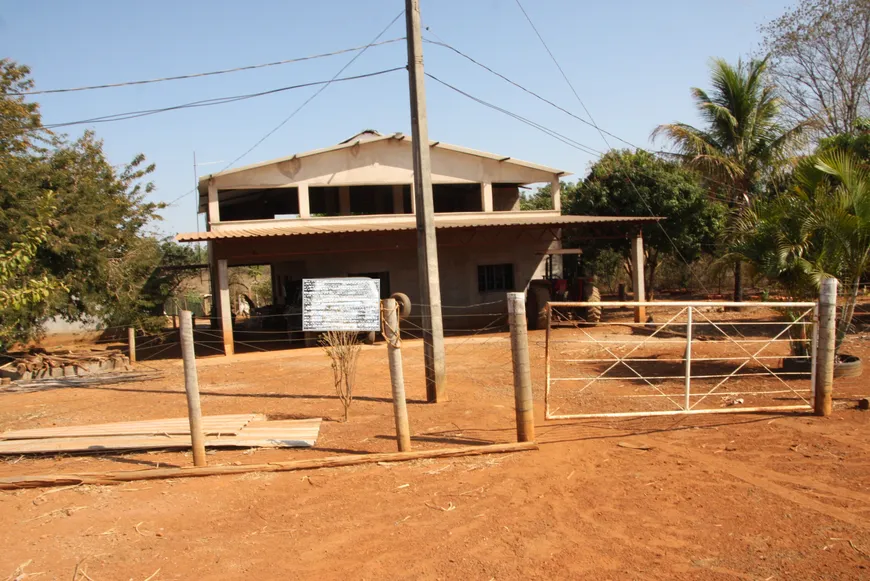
223 303
214 211
36 481
486 197
637 279
304 203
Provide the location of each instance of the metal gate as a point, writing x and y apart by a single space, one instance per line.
702 357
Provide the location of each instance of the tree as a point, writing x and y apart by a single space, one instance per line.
820 57
20 294
743 144
542 199
819 227
627 183
98 247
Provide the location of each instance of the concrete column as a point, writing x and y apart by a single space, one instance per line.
223 303
214 210
556 192
486 197
398 199
637 277
344 200
304 207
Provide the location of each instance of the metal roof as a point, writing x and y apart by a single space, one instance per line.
408 222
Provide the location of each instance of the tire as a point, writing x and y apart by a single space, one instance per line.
541 298
593 314
404 304
848 366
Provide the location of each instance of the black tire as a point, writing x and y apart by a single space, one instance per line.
404 304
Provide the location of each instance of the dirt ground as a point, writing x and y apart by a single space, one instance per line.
768 496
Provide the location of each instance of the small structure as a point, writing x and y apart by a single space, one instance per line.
348 210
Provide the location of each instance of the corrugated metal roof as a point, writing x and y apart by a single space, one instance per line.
486 220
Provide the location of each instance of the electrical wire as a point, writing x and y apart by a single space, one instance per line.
207 74
316 93
448 46
211 102
604 138
522 88
555 134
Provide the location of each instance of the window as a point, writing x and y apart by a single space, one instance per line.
495 277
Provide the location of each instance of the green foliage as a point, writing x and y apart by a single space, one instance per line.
857 142
626 183
743 145
98 246
742 142
820 227
22 295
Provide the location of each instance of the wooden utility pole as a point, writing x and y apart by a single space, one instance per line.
525 409
397 378
131 342
826 348
191 387
427 251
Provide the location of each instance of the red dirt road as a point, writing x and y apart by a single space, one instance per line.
729 496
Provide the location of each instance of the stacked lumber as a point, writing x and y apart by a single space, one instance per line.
225 431
38 363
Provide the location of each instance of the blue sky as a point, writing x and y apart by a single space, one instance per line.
632 62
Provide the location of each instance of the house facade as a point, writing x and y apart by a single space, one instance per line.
348 210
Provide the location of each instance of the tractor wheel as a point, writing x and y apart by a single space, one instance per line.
404 304
593 314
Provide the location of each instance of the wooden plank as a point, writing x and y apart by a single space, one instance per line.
17 482
283 434
223 424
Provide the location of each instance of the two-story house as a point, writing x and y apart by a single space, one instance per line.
348 210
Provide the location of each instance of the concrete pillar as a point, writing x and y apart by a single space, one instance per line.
304 207
214 210
486 197
556 192
637 277
398 199
223 303
344 200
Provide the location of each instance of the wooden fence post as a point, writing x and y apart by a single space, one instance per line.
390 312
825 347
191 387
522 370
131 342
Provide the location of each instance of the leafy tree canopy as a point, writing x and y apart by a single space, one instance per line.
95 241
628 183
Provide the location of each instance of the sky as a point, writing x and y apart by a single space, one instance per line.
632 63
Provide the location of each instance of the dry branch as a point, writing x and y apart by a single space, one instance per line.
36 481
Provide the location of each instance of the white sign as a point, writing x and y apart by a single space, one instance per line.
341 304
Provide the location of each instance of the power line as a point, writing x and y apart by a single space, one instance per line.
521 87
374 42
316 93
603 137
563 138
213 101
446 45
206 74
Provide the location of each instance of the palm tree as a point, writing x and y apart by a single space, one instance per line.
843 219
819 228
743 143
